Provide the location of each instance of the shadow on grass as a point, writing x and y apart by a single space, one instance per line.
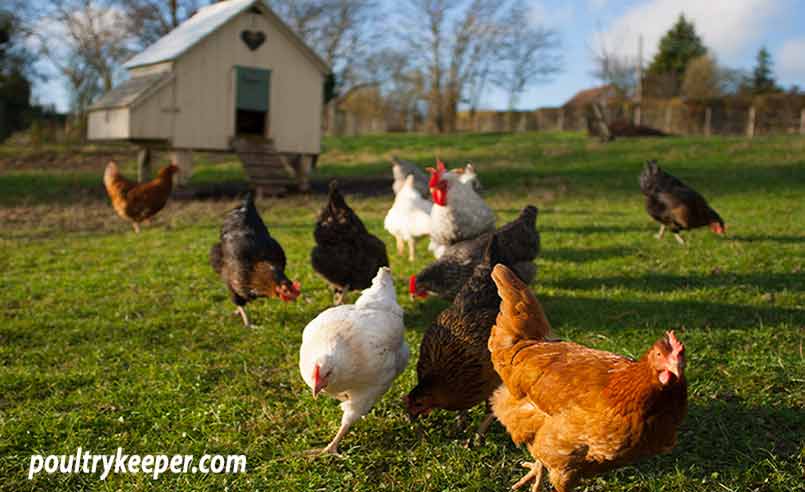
572 255
615 315
767 237
671 283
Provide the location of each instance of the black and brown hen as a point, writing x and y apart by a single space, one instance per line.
346 254
454 371
676 205
518 240
249 260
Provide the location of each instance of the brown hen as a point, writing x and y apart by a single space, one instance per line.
137 202
579 411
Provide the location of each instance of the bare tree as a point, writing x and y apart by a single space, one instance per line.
451 41
527 54
614 68
153 19
94 38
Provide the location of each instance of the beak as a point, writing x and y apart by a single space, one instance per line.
320 385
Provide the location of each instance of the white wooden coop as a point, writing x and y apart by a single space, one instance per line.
233 77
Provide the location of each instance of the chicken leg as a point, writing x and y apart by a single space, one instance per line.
242 312
679 238
411 249
136 227
660 234
400 245
535 474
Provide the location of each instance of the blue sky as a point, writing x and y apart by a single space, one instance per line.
733 30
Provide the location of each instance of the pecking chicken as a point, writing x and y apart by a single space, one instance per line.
401 169
444 277
676 205
579 411
458 212
346 254
354 352
408 218
454 371
249 260
137 202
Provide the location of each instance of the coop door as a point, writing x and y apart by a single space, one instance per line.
253 90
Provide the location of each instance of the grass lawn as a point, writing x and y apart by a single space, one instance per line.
110 339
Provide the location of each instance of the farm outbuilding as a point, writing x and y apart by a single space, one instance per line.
233 77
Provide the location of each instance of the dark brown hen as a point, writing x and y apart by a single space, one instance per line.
249 260
676 205
518 240
454 370
346 254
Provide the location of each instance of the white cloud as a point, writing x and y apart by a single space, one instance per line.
791 61
727 27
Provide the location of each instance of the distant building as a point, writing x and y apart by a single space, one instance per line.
234 69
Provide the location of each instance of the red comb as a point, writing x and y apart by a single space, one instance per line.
440 165
676 345
412 284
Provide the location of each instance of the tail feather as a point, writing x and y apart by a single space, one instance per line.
521 316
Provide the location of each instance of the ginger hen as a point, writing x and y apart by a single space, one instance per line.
346 254
579 411
249 260
676 205
136 202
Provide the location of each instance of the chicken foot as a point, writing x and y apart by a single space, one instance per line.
332 448
660 234
535 474
242 312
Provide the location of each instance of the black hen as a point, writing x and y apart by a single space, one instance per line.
346 254
249 260
518 242
674 204
455 371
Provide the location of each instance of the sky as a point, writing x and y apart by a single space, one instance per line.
733 31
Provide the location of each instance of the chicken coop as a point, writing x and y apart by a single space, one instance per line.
232 78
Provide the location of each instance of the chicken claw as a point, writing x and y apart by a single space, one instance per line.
535 474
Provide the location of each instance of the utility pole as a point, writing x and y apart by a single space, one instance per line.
639 88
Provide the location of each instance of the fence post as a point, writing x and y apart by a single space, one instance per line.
708 116
750 125
143 164
802 122
669 111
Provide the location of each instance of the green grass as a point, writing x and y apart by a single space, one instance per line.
111 340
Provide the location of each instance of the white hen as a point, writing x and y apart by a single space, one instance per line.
458 213
353 352
408 218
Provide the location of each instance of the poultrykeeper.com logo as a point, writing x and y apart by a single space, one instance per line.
150 464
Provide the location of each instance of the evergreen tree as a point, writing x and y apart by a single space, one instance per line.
763 75
15 88
677 48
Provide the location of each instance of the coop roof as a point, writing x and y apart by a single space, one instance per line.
203 23
129 91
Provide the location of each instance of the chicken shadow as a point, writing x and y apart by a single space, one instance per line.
751 238
613 315
661 282
728 436
574 255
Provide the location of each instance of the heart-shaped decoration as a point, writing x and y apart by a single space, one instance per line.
253 39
